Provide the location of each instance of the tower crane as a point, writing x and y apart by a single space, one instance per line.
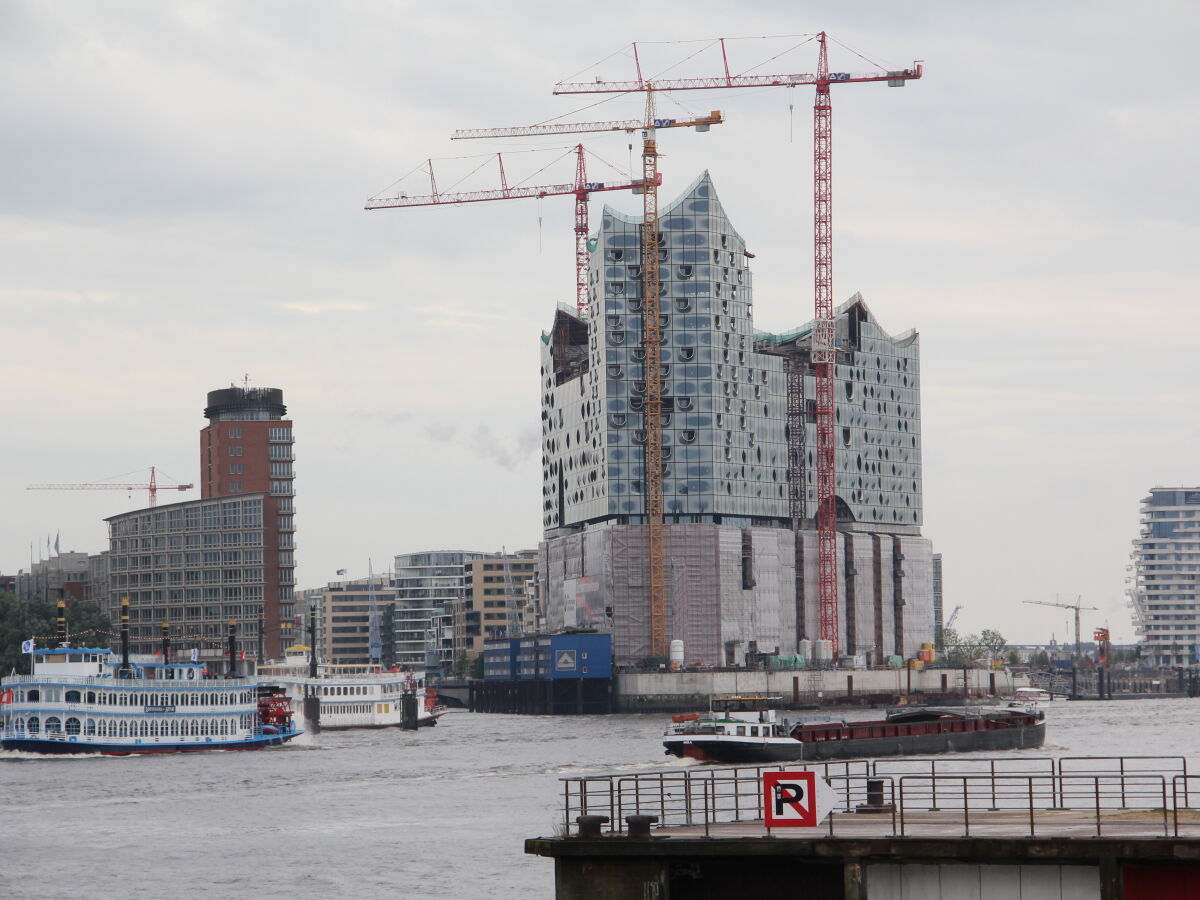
581 197
651 326
1075 606
953 617
153 486
582 188
824 353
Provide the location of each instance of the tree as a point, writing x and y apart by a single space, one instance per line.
992 641
961 650
1014 658
37 618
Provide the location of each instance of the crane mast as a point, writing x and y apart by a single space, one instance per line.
651 324
824 354
824 351
652 410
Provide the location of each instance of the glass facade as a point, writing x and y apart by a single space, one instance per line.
725 391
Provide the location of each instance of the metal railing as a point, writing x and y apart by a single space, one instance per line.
1079 796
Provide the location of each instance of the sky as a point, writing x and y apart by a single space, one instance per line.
182 209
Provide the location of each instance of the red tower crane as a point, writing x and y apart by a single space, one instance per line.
582 189
824 353
153 486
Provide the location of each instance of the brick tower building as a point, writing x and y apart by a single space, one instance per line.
247 449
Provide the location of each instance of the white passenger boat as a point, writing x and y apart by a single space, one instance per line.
92 700
1030 698
355 696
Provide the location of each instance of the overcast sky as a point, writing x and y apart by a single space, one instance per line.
181 207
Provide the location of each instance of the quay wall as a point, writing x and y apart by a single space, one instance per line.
809 688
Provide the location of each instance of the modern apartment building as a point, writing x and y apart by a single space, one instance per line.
248 448
427 586
196 565
739 478
494 601
1165 593
357 622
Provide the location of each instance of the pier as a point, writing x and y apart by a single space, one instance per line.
1028 827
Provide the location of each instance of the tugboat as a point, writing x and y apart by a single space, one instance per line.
91 700
747 729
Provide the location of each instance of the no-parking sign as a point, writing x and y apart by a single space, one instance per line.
796 799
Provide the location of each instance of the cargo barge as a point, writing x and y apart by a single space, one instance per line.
747 729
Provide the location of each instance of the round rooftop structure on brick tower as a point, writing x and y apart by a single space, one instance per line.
235 404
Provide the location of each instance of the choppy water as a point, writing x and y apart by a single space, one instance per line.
438 813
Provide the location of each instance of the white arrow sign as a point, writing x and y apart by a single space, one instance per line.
796 799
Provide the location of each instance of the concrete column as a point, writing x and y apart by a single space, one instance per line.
854 880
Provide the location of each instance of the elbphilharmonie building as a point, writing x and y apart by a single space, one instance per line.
739 479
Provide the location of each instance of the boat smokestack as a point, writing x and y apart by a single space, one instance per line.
312 641
232 647
166 642
125 668
62 622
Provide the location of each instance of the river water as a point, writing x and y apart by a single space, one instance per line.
441 812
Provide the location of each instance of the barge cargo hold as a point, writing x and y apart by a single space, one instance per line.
747 729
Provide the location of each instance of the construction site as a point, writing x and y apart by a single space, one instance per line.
715 495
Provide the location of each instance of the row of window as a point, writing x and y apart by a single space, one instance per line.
134 698
138 728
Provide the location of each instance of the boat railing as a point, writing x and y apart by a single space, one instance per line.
1073 796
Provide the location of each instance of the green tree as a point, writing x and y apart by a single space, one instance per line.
961 649
1014 658
37 618
992 641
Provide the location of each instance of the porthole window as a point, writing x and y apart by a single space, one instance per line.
688 436
615 371
687 353
617 420
683 304
616 288
616 337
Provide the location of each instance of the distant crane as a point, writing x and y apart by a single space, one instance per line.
651 326
153 486
953 616
1075 606
824 351
582 188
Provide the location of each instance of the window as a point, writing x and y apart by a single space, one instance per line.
235 468
235 450
235 433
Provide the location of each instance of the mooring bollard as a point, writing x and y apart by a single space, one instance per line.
639 826
589 826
